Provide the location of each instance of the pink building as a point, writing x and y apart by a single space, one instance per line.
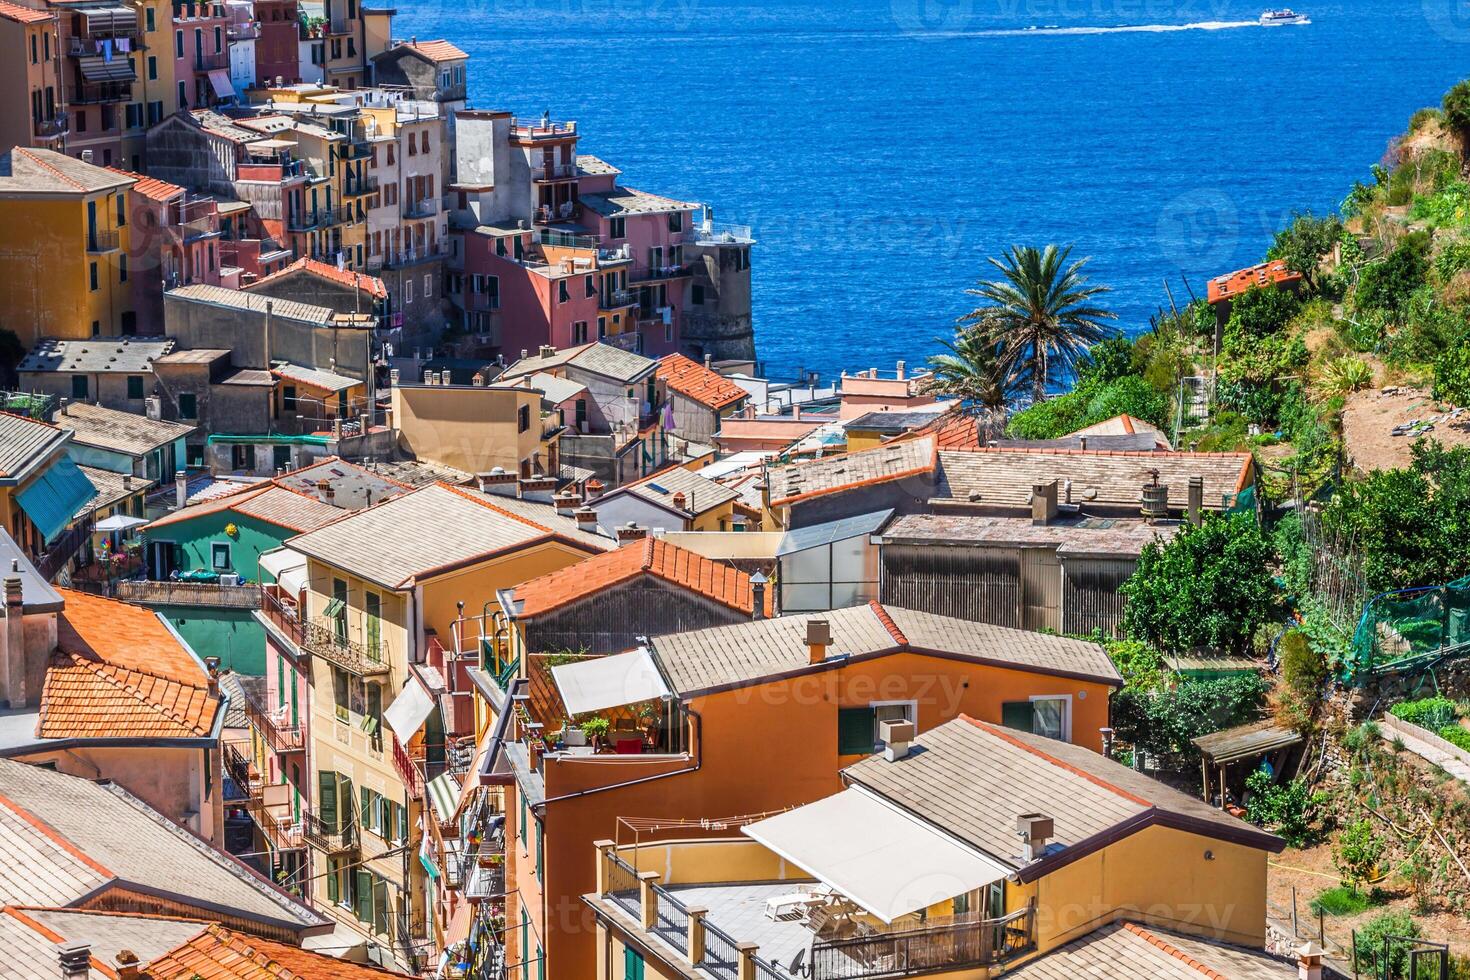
175 242
201 54
278 46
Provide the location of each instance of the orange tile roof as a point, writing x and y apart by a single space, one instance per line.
954 430
693 380
1232 284
652 556
119 672
271 502
149 187
371 285
438 50
24 15
217 953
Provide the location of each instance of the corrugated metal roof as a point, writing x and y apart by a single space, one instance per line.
1245 741
821 534
325 380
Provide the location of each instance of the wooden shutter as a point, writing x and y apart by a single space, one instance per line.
855 731
365 809
364 896
332 873
1019 715
326 806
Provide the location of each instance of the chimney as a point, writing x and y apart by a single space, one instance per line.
1035 829
541 489
586 519
76 960
181 485
525 353
566 502
818 639
1196 500
547 351
1082 443
631 532
679 500
896 735
428 377
758 596
795 413
86 156
594 489
13 666
325 491
900 371
127 481
709 361
126 965
393 378
1043 503
62 404
211 666
1107 741
1309 961
498 482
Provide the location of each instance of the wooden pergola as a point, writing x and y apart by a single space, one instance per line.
1244 743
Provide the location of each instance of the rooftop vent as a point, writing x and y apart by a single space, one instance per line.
818 639
1035 829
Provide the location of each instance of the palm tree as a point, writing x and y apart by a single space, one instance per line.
1038 313
971 371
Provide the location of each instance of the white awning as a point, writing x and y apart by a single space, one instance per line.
118 522
276 562
444 794
609 682
889 862
292 580
407 713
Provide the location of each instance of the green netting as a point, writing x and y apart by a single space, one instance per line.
1243 502
1406 629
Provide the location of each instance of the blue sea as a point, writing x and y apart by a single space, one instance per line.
882 149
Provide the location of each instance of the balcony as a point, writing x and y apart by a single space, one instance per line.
243 782
338 23
96 93
211 60
102 240
353 657
415 255
330 837
52 128
320 218
617 299
272 814
426 207
206 595
65 547
275 728
545 174
356 186
543 128
657 273
713 234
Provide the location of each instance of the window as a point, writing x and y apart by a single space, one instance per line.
562 293
540 852
1048 715
135 386
696 294
601 327
148 21
617 228
676 221
408 291
523 418
243 458
122 267
341 695
188 405
428 286
79 387
424 141
92 276
633 964
591 286
35 54
855 728
579 332
179 48
219 556
81 120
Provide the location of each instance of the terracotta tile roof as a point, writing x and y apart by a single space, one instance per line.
272 503
150 187
1232 284
956 429
1128 950
438 50
371 285
693 380
217 953
119 673
831 474
1120 425
652 556
23 15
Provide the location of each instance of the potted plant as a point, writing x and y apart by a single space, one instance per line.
596 729
573 734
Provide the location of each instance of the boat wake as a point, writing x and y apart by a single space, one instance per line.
1053 30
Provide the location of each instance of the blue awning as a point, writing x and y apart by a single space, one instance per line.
54 499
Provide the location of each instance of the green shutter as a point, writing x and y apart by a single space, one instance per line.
332 873
540 853
1020 715
364 897
632 964
326 806
855 727
365 809
521 824
380 906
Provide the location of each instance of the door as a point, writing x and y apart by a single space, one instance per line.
280 458
163 559
1041 586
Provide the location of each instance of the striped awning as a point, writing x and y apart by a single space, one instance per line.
56 497
444 795
96 68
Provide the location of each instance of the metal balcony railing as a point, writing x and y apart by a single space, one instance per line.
211 60
102 240
423 208
65 546
542 173
653 273
542 128
354 657
94 93
330 838
275 728
51 128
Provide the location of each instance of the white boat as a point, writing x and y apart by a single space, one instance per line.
1283 17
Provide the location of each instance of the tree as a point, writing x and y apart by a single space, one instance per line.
1164 723
1387 285
1209 586
1452 375
1039 313
1410 526
971 371
1356 853
1456 105
1262 311
1304 242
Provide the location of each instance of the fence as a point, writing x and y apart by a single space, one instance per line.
622 886
1411 629
947 947
672 925
721 954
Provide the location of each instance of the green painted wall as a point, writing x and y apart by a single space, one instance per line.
196 536
233 635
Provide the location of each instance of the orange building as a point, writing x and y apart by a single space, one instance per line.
32 113
744 719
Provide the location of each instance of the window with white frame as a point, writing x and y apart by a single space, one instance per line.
219 556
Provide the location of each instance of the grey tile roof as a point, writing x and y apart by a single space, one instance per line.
326 380
418 472
556 390
591 166
134 843
110 488
546 516
419 533
99 355
109 933
604 359
1005 477
25 170
36 594
124 432
628 200
235 299
1121 537
29 952
25 442
895 422
972 779
1126 951
747 653
700 494
353 487
828 474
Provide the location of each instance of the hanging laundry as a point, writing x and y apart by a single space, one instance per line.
125 44
107 50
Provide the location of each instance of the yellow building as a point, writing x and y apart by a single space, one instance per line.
41 488
384 590
967 852
353 36
63 248
477 428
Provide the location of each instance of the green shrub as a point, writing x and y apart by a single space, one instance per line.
1456 736
1456 107
1370 940
1341 900
1050 419
1262 311
1424 116
1129 395
1387 285
1163 723
1141 665
1345 375
1453 258
1208 586
1356 853
1107 361
1303 668
1303 243
1446 208
1282 808
1431 713
1452 375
